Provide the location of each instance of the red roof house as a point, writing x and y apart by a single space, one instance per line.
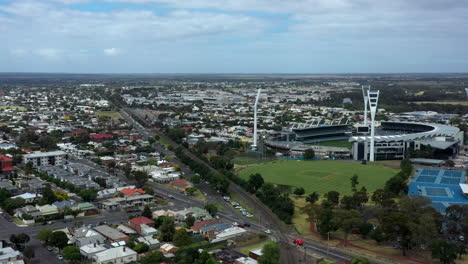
180 184
198 225
100 137
6 164
130 191
137 222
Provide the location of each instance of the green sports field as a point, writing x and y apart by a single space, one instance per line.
321 176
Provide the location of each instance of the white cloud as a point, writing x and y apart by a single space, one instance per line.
49 53
112 51
18 52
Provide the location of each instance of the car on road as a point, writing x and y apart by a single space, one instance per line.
50 248
247 225
60 257
241 225
298 242
268 231
170 196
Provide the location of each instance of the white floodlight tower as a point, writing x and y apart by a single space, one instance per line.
373 100
365 89
254 146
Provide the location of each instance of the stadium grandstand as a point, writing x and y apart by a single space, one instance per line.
393 139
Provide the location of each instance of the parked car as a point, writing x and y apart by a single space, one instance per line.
60 257
268 231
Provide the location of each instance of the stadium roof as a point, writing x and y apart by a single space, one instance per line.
437 130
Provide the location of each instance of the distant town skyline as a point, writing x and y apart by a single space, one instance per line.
233 36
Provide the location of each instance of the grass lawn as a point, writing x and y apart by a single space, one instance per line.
336 143
245 250
321 176
111 114
14 107
242 160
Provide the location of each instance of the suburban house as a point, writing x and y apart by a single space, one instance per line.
48 209
256 253
228 234
210 231
85 236
90 250
168 249
197 212
180 184
6 184
142 225
245 260
9 255
113 235
152 243
28 197
32 185
119 255
28 210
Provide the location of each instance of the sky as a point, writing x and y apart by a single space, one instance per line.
234 36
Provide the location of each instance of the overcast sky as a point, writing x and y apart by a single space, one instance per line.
234 36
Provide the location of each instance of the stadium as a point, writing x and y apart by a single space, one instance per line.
392 140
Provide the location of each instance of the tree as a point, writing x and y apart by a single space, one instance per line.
48 194
88 195
190 220
147 212
354 182
255 181
348 221
360 260
4 194
72 254
58 239
44 235
182 238
148 190
299 191
195 179
361 197
19 239
167 229
309 154
270 254
29 253
444 251
212 209
326 221
140 177
333 197
396 185
11 204
383 198
155 257
191 190
396 226
141 248
313 197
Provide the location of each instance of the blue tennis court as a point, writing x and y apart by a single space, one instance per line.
436 191
448 180
441 186
453 174
426 179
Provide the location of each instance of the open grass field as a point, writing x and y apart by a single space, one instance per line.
244 160
111 114
321 176
13 107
